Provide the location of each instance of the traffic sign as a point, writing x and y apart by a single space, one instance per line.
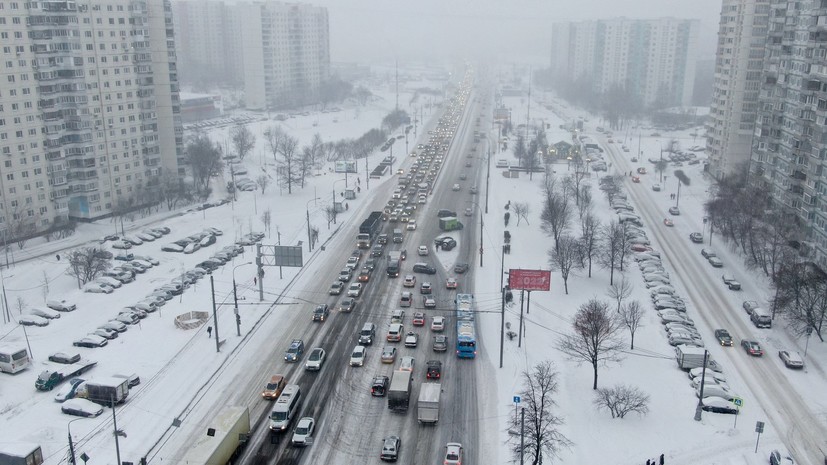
739 402
759 426
516 399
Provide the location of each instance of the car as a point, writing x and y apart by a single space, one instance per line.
727 278
696 237
411 339
114 325
352 263
411 225
723 337
406 363
64 358
354 290
390 449
303 434
32 320
463 177
424 268
336 288
98 288
656 187
419 319
347 305
668 222
455 187
791 359
81 408
321 312
716 404
409 281
388 355
429 301
451 283
433 369
90 341
461 268
749 306
777 459
315 360
752 347
674 211
422 250
425 288
105 333
345 275
357 356
61 305
295 351
438 323
708 253
636 179
715 262
272 390
379 385
734 285
453 454
68 390
440 343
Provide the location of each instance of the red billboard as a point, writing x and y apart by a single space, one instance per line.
529 280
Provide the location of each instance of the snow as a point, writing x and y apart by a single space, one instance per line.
183 373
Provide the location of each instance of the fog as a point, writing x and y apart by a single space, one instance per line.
506 30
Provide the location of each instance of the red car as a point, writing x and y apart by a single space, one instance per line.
640 248
419 319
635 178
752 347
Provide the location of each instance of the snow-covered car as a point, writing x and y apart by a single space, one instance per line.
438 323
61 305
114 325
668 222
97 288
81 408
90 341
47 313
68 390
105 333
674 210
32 320
411 339
111 282
791 359
696 237
718 405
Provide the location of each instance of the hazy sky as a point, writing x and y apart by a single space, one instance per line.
370 30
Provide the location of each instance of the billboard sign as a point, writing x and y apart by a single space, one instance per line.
529 280
345 166
287 255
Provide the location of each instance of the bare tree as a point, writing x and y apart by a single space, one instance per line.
266 219
21 305
596 338
801 294
263 181
273 137
521 210
611 254
289 161
584 204
542 426
330 214
621 400
620 291
556 216
86 264
589 239
243 140
205 161
305 162
631 315
565 258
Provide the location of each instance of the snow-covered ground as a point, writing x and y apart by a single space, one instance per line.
181 364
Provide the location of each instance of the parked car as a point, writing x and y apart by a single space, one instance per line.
47 313
718 405
791 359
90 341
32 320
61 305
81 408
68 390
97 288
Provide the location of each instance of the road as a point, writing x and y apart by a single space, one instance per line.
352 423
713 305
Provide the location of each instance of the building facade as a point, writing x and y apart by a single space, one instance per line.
790 140
742 36
88 109
279 52
653 58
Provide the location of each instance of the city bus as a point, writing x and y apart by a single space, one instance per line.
466 327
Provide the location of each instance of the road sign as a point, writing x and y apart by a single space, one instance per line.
529 280
516 399
759 426
739 402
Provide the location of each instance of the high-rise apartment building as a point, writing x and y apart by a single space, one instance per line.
280 52
651 58
88 108
742 35
790 143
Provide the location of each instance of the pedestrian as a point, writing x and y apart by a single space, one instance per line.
358 189
346 206
359 181
255 280
648 462
58 257
661 459
209 332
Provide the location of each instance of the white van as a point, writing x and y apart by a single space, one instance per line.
14 358
761 318
285 408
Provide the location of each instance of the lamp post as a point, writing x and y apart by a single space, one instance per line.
479 210
235 300
72 459
307 209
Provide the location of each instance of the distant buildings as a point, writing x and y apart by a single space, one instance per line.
279 52
742 36
653 58
790 144
89 115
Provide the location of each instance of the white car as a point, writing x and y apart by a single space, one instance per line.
406 363
105 333
303 434
453 454
32 320
354 290
97 288
114 325
357 357
438 323
111 282
411 225
456 188
315 359
423 250
47 313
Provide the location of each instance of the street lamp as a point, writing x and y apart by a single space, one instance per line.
479 210
235 300
307 209
72 458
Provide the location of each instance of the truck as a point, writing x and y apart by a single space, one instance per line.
689 357
399 392
394 264
368 230
449 223
14 453
222 439
105 391
53 375
427 407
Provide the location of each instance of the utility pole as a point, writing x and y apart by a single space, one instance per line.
520 336
117 431
214 313
699 407
488 178
502 309
237 315
522 435
72 459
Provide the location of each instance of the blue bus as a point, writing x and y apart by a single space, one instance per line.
466 327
